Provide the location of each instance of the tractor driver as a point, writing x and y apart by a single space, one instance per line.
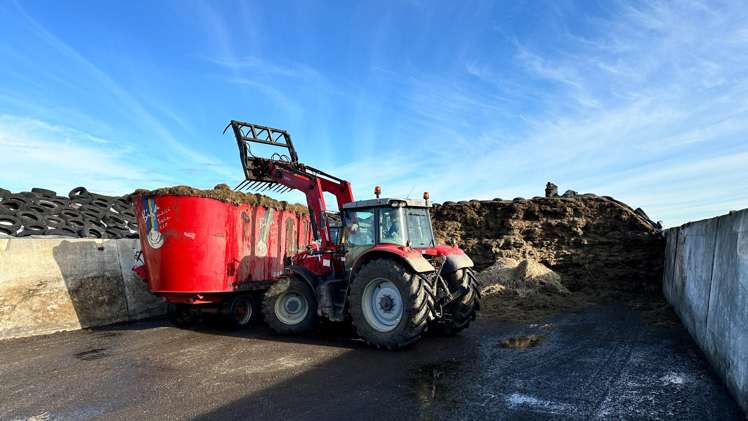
391 226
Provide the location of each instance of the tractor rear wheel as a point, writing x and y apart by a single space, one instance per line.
389 304
290 307
459 313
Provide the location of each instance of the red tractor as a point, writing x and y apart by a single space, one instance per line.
380 268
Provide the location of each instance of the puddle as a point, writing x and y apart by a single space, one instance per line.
431 382
92 354
522 342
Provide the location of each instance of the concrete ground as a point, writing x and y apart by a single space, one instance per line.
601 362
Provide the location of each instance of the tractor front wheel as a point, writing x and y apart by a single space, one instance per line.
389 304
459 313
290 307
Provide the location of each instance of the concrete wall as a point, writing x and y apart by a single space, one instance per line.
706 281
48 285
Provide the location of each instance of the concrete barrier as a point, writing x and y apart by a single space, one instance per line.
706 281
55 284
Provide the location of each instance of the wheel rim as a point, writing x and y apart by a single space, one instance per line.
291 308
382 305
242 312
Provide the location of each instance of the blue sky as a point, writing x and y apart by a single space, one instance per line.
646 102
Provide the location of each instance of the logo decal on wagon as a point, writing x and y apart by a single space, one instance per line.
262 242
150 215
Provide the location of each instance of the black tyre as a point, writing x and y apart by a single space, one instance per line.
92 212
14 203
33 229
55 221
183 316
459 313
60 201
113 219
75 223
122 205
390 306
240 312
30 217
116 232
38 209
290 307
43 192
91 231
9 224
101 203
130 217
78 192
47 205
63 231
79 202
9 218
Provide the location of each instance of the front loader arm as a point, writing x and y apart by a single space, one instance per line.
283 173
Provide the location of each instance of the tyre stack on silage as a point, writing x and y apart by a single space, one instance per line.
80 214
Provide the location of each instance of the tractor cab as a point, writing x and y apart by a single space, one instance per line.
399 222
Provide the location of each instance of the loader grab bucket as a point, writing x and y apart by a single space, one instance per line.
255 167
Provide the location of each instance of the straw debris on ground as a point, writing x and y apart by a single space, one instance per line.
525 291
522 342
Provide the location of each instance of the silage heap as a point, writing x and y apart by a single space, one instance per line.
547 254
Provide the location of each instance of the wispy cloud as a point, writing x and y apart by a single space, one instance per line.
133 107
655 97
62 158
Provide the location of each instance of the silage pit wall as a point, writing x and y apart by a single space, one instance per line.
56 284
706 281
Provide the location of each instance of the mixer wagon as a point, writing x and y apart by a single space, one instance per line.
208 255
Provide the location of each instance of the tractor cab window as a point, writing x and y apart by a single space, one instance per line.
359 228
391 230
419 228
335 234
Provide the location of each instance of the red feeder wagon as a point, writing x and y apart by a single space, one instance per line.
206 255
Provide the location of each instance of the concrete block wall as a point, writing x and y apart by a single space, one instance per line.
54 284
706 281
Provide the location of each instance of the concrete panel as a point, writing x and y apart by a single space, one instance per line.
49 285
727 326
706 281
696 243
140 302
671 247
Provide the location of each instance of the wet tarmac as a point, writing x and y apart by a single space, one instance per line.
601 362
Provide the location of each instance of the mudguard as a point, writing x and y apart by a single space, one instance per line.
455 262
414 260
305 274
418 263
